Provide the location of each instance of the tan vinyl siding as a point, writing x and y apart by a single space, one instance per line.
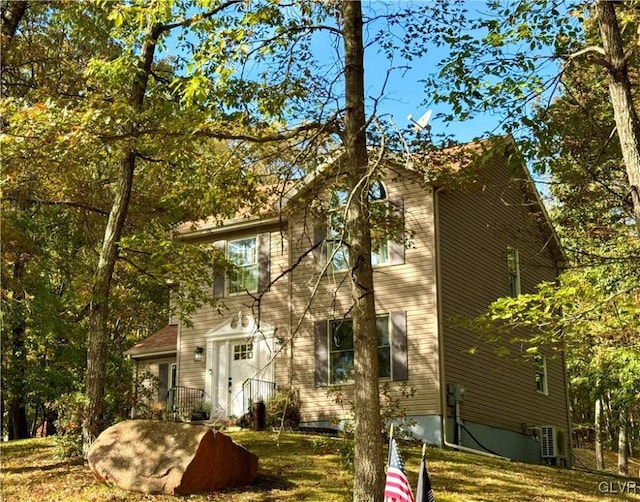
273 308
151 366
174 318
474 231
405 287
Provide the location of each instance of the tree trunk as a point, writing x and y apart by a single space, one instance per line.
369 468
18 413
16 361
609 415
624 111
623 452
34 420
598 438
12 13
631 435
98 336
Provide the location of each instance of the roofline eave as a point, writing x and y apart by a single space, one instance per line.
149 353
213 229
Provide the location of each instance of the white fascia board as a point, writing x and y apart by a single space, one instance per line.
151 353
230 225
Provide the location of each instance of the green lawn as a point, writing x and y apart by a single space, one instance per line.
307 467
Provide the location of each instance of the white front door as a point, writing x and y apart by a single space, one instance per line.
236 352
243 356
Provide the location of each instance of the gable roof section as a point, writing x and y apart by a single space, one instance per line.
446 168
279 198
212 225
537 207
507 147
460 167
163 342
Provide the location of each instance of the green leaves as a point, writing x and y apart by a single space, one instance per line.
599 331
69 123
117 15
194 91
506 61
498 59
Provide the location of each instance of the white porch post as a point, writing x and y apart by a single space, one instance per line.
224 372
210 374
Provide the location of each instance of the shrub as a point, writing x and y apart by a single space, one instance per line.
68 440
392 410
201 411
283 409
145 398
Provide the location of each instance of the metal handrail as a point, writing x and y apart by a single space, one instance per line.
182 402
254 390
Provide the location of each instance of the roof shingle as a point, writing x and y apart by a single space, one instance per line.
162 341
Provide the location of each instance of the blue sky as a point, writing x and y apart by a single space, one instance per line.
404 93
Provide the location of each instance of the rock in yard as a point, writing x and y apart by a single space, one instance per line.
167 457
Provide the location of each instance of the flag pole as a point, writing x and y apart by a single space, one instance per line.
389 454
424 492
390 439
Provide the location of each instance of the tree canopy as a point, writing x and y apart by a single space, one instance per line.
123 119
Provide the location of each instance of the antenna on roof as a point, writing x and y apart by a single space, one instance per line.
421 123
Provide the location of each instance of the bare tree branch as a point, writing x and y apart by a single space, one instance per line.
227 135
162 28
68 203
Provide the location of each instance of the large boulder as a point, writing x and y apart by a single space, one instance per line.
167 457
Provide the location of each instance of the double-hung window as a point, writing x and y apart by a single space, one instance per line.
247 265
513 269
341 362
337 251
243 254
333 349
540 372
379 207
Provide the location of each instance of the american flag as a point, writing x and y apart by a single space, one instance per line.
396 488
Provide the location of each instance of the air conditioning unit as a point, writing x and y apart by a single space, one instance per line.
553 442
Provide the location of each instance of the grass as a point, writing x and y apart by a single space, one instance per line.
306 467
587 459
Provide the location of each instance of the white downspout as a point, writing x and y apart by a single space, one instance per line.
438 299
290 293
458 422
132 413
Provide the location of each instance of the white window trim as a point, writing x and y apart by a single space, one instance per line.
329 352
227 281
516 254
333 244
545 379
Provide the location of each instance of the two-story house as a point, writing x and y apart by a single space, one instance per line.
456 251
